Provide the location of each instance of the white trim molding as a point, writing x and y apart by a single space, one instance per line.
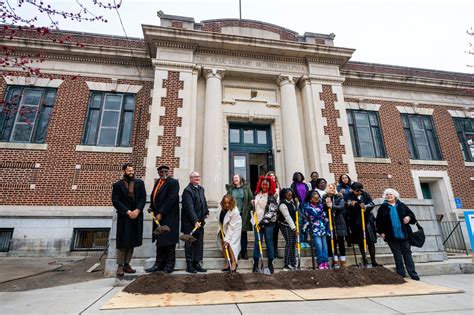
362 106
442 177
461 114
23 146
33 81
91 148
415 110
113 87
429 162
468 164
360 159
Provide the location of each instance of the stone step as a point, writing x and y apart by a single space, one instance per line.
217 263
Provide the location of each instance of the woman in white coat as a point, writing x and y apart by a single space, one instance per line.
231 222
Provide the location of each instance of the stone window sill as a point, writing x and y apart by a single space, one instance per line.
372 160
469 164
428 162
23 146
90 148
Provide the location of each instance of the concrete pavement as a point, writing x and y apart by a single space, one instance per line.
89 297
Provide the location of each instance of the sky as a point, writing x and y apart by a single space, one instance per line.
427 34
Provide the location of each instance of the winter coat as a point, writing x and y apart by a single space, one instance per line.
232 227
338 211
354 215
166 202
268 215
384 221
129 232
194 208
287 214
317 222
295 193
245 213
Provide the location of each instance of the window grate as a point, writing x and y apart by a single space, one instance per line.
90 239
6 235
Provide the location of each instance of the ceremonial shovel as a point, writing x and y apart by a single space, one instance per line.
160 229
189 237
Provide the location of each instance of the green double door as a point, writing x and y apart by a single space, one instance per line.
250 149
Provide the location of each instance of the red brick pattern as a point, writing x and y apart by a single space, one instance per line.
335 148
57 173
170 121
216 26
397 150
177 24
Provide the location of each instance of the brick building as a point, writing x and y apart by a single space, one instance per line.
221 97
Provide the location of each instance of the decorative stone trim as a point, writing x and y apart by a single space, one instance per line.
113 87
249 55
442 177
363 106
23 146
33 81
90 148
461 114
468 164
359 159
285 79
415 110
428 162
208 72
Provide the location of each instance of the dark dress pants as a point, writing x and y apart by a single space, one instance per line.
194 250
401 250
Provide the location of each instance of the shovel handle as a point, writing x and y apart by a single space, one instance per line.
363 228
154 218
331 230
225 247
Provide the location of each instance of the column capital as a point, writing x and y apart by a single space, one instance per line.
284 79
303 81
211 73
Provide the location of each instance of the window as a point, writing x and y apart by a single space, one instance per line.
5 239
366 135
109 119
421 137
465 129
25 114
90 239
257 136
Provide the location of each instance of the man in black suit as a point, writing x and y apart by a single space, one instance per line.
165 207
128 198
193 213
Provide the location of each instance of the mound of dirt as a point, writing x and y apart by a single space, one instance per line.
292 280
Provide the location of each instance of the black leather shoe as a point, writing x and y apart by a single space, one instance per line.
198 268
190 269
416 278
245 256
154 268
225 269
255 266
168 270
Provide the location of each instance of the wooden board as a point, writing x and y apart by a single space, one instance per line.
411 287
126 300
123 300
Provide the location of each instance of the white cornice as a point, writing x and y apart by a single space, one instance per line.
113 87
33 81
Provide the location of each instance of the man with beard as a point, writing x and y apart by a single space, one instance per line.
356 200
128 198
165 207
193 213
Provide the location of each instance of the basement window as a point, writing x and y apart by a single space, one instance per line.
6 235
90 239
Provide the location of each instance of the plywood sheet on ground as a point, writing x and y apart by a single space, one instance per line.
127 300
411 287
123 300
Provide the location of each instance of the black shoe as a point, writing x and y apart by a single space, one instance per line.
198 268
225 269
168 270
416 278
154 268
374 264
190 269
255 266
270 266
244 256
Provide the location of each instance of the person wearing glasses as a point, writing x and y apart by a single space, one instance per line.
165 206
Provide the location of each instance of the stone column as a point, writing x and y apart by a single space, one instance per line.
213 145
292 143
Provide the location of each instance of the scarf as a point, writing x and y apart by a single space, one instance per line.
396 224
130 184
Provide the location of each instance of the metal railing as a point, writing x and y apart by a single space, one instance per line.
453 239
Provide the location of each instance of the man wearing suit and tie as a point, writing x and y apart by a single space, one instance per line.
165 206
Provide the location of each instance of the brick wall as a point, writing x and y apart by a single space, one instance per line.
375 176
57 171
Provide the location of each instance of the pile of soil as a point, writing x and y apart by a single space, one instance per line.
158 283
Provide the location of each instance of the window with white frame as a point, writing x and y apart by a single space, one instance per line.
25 114
109 119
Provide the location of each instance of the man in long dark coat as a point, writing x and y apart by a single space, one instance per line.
356 199
165 207
194 211
128 198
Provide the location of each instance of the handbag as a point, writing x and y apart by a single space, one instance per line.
417 238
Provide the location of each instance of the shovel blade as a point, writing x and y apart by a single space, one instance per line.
187 238
162 229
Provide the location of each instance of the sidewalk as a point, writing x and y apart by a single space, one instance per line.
88 297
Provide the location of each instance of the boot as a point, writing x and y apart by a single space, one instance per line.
190 268
244 256
372 257
255 266
198 267
270 265
120 271
128 269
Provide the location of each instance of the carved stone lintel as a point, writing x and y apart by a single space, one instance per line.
285 79
208 73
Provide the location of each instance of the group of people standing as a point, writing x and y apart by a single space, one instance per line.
315 214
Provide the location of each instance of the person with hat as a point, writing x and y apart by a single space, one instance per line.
128 198
164 203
